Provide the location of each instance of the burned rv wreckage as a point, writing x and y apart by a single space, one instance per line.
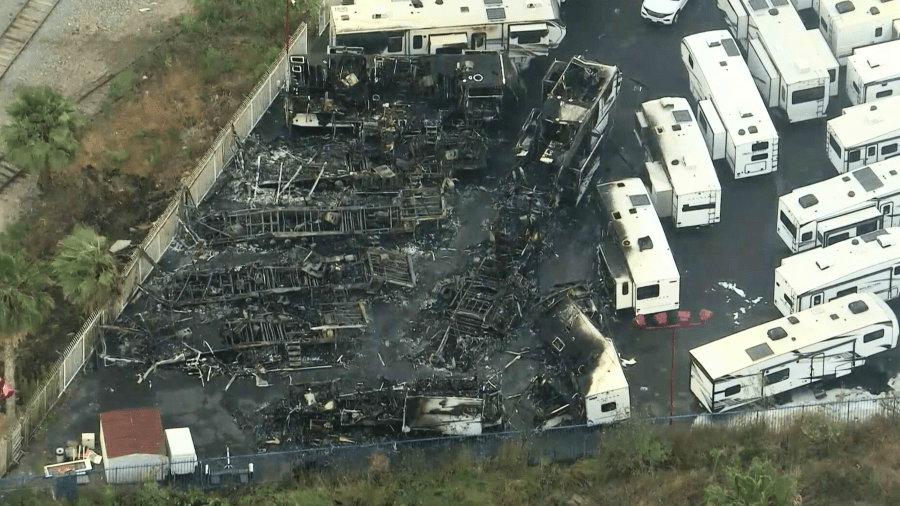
316 242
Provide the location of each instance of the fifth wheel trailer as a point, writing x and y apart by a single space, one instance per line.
864 134
873 73
869 263
680 175
851 24
828 341
841 208
786 64
732 117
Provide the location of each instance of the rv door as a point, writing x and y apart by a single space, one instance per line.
712 129
870 153
764 74
452 43
736 18
817 366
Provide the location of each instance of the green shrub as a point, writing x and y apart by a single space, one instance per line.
760 485
122 85
216 62
634 447
44 131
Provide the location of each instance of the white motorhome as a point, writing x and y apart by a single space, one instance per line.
850 24
635 263
840 208
869 263
828 341
783 59
680 175
521 28
864 134
873 73
732 117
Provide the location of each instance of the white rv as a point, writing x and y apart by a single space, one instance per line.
874 72
864 134
850 24
828 341
521 28
635 262
827 57
840 208
869 263
680 175
732 117
785 62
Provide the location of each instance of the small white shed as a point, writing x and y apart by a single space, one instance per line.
182 456
133 446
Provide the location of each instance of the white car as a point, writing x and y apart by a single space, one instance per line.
662 11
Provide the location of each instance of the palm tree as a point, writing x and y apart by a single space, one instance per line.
86 270
24 301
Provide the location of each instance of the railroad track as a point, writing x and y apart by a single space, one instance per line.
26 23
8 173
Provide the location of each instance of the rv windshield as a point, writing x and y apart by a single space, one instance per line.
788 224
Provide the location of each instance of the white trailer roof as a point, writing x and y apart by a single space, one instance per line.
844 192
877 62
731 86
684 152
784 36
180 442
387 15
864 122
640 235
823 267
861 12
732 354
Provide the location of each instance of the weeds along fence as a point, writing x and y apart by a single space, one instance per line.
561 444
144 259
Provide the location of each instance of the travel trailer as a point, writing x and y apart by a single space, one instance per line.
566 133
784 61
873 73
841 208
522 28
831 63
828 341
635 263
732 117
864 134
869 263
679 173
851 24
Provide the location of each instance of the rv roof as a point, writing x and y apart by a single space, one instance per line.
732 354
876 62
793 53
637 227
844 192
386 15
732 89
843 17
864 123
683 151
820 267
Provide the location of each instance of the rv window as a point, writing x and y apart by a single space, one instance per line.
788 225
776 333
609 406
699 207
889 149
834 145
896 271
776 377
854 156
789 301
701 119
848 291
647 292
855 87
395 44
808 95
527 37
478 40
732 390
418 41
878 32
759 146
885 93
817 299
871 336
690 61
857 307
823 25
806 236
838 238
870 151
625 288
832 74
761 156
867 227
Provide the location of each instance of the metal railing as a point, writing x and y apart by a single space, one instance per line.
196 186
560 444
